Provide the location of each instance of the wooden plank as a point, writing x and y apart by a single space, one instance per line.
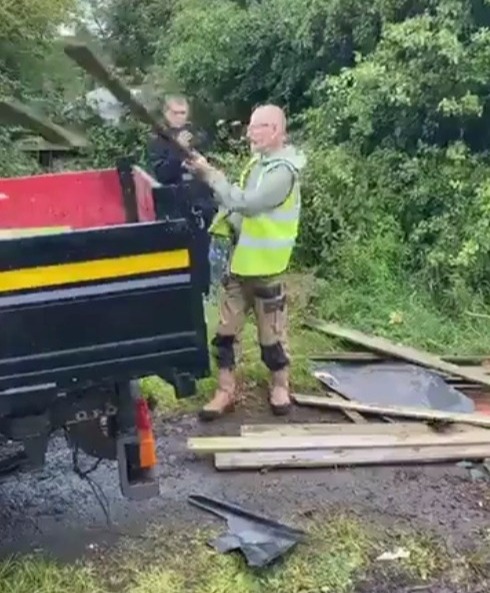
348 457
355 417
378 344
41 145
278 430
344 441
402 412
81 54
372 357
12 112
471 368
467 386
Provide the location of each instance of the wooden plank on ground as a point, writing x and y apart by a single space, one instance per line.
206 445
348 457
378 344
353 416
397 411
372 357
278 430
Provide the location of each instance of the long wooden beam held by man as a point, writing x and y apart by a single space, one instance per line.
81 54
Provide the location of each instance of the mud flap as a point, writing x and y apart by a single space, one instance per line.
136 483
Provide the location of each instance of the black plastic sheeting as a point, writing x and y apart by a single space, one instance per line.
392 383
261 540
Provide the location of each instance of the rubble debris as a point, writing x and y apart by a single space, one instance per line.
351 356
398 554
478 471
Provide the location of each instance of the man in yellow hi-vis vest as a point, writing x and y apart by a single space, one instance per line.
261 217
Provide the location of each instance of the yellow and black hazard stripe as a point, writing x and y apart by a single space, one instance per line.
96 270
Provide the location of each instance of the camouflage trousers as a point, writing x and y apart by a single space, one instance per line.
266 297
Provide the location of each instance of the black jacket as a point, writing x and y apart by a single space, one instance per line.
167 167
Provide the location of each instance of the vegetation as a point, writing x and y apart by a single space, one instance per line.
340 556
389 101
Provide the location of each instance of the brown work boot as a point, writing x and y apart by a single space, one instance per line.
224 397
279 399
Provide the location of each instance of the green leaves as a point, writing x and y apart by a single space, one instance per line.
133 29
423 82
391 99
232 55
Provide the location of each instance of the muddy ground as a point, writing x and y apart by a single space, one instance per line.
55 511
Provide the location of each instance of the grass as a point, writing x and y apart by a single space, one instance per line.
340 552
401 313
38 575
395 311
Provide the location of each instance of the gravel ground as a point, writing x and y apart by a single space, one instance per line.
36 509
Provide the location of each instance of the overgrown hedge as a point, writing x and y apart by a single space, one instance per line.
390 99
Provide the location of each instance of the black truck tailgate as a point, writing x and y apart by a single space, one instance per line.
114 302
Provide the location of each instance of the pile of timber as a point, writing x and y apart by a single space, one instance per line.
425 435
451 368
335 445
470 374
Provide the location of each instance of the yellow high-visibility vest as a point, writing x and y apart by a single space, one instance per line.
266 241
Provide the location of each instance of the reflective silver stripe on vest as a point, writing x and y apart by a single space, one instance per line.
283 215
246 241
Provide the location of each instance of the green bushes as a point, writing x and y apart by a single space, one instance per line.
398 158
433 206
390 100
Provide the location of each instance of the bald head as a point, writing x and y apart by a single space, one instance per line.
267 129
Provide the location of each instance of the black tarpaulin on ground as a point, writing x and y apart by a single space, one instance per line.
392 384
261 540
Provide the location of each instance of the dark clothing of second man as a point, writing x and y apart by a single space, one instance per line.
193 195
168 169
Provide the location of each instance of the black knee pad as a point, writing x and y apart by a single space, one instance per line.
274 357
224 352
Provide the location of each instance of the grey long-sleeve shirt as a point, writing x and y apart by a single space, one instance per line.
258 197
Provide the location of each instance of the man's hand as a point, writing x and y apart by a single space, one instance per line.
198 164
185 138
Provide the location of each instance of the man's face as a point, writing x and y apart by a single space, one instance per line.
177 114
261 133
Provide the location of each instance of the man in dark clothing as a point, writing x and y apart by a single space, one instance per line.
194 197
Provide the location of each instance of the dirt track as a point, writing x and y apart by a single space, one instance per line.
36 509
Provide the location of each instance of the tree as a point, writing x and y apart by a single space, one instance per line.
133 29
232 55
410 124
27 27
